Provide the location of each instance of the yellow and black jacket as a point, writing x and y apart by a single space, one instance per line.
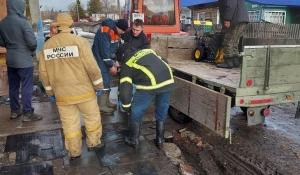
148 71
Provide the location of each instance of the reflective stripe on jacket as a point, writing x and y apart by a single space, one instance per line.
148 71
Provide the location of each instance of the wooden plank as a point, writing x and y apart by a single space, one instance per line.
207 107
177 43
180 54
159 45
208 73
180 96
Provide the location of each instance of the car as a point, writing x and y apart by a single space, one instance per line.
46 29
83 20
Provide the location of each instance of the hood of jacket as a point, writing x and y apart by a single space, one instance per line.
110 23
15 7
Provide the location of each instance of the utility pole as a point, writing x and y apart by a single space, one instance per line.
119 8
35 12
77 11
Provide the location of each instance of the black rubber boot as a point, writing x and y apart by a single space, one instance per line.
228 63
133 136
236 61
160 134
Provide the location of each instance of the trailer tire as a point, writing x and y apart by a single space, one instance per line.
178 116
244 109
198 54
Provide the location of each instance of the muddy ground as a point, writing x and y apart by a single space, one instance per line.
272 148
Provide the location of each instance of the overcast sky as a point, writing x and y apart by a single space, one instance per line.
61 4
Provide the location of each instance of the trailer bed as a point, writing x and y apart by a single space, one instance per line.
208 73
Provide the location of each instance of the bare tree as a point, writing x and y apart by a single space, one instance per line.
108 6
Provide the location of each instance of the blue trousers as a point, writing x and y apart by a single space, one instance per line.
142 100
17 76
105 75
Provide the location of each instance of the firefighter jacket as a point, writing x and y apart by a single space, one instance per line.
68 69
148 71
106 42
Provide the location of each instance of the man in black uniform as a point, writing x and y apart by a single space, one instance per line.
153 79
136 37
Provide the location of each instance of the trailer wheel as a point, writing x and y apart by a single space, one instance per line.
244 109
178 116
198 54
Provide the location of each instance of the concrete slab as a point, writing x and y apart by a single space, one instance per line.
86 159
50 120
120 153
44 168
91 170
141 168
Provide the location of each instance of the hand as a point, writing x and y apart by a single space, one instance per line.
117 64
113 70
98 93
227 24
52 98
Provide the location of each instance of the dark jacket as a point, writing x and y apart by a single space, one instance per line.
106 42
148 71
138 42
234 11
17 36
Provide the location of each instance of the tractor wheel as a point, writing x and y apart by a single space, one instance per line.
178 116
198 54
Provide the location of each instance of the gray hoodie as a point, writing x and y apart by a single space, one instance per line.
17 36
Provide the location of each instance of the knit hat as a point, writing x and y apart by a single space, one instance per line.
121 51
64 20
122 24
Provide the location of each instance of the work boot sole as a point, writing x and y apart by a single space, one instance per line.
74 158
15 116
98 147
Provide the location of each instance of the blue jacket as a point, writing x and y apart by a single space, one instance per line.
17 36
106 42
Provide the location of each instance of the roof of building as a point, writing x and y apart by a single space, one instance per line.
186 3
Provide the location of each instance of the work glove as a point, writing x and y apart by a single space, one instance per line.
52 98
98 93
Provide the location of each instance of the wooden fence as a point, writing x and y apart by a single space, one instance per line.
269 31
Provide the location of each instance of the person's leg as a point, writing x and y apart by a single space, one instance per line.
162 103
102 100
14 88
26 75
140 103
228 44
70 119
238 30
92 122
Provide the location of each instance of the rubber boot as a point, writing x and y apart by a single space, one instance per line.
236 61
134 133
108 103
228 63
31 116
160 134
101 100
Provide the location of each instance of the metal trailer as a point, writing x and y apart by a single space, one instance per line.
269 75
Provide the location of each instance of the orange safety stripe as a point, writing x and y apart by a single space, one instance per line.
112 33
76 98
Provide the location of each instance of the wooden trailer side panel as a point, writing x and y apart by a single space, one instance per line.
209 108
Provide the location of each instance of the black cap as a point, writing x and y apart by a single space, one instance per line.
121 51
122 24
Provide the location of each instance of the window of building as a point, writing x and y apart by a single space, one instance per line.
159 12
254 16
201 16
276 17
